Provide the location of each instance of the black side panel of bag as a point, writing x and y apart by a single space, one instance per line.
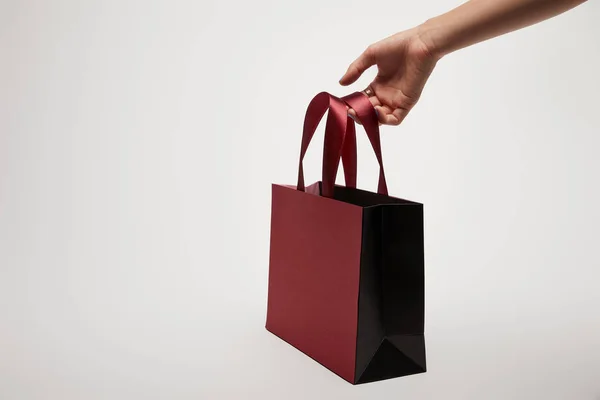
391 307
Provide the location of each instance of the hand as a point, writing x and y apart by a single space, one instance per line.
404 61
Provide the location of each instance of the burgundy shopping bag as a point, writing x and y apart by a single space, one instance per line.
346 269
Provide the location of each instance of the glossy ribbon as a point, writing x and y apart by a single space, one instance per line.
340 138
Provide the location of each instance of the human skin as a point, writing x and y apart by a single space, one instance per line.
406 60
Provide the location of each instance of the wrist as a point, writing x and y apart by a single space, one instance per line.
431 33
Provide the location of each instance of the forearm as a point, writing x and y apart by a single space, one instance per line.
479 20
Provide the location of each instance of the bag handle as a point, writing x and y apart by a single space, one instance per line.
335 146
340 138
367 115
349 154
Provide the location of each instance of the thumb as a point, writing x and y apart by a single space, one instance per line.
360 65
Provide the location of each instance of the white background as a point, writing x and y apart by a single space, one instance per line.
138 142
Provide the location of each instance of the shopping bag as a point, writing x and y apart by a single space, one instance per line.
346 266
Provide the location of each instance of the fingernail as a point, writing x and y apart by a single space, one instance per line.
352 116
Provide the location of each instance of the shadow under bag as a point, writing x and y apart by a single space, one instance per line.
346 268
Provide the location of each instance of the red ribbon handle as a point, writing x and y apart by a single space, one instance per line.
340 141
367 115
340 138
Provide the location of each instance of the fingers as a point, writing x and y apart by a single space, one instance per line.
375 101
360 65
352 114
400 114
387 116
